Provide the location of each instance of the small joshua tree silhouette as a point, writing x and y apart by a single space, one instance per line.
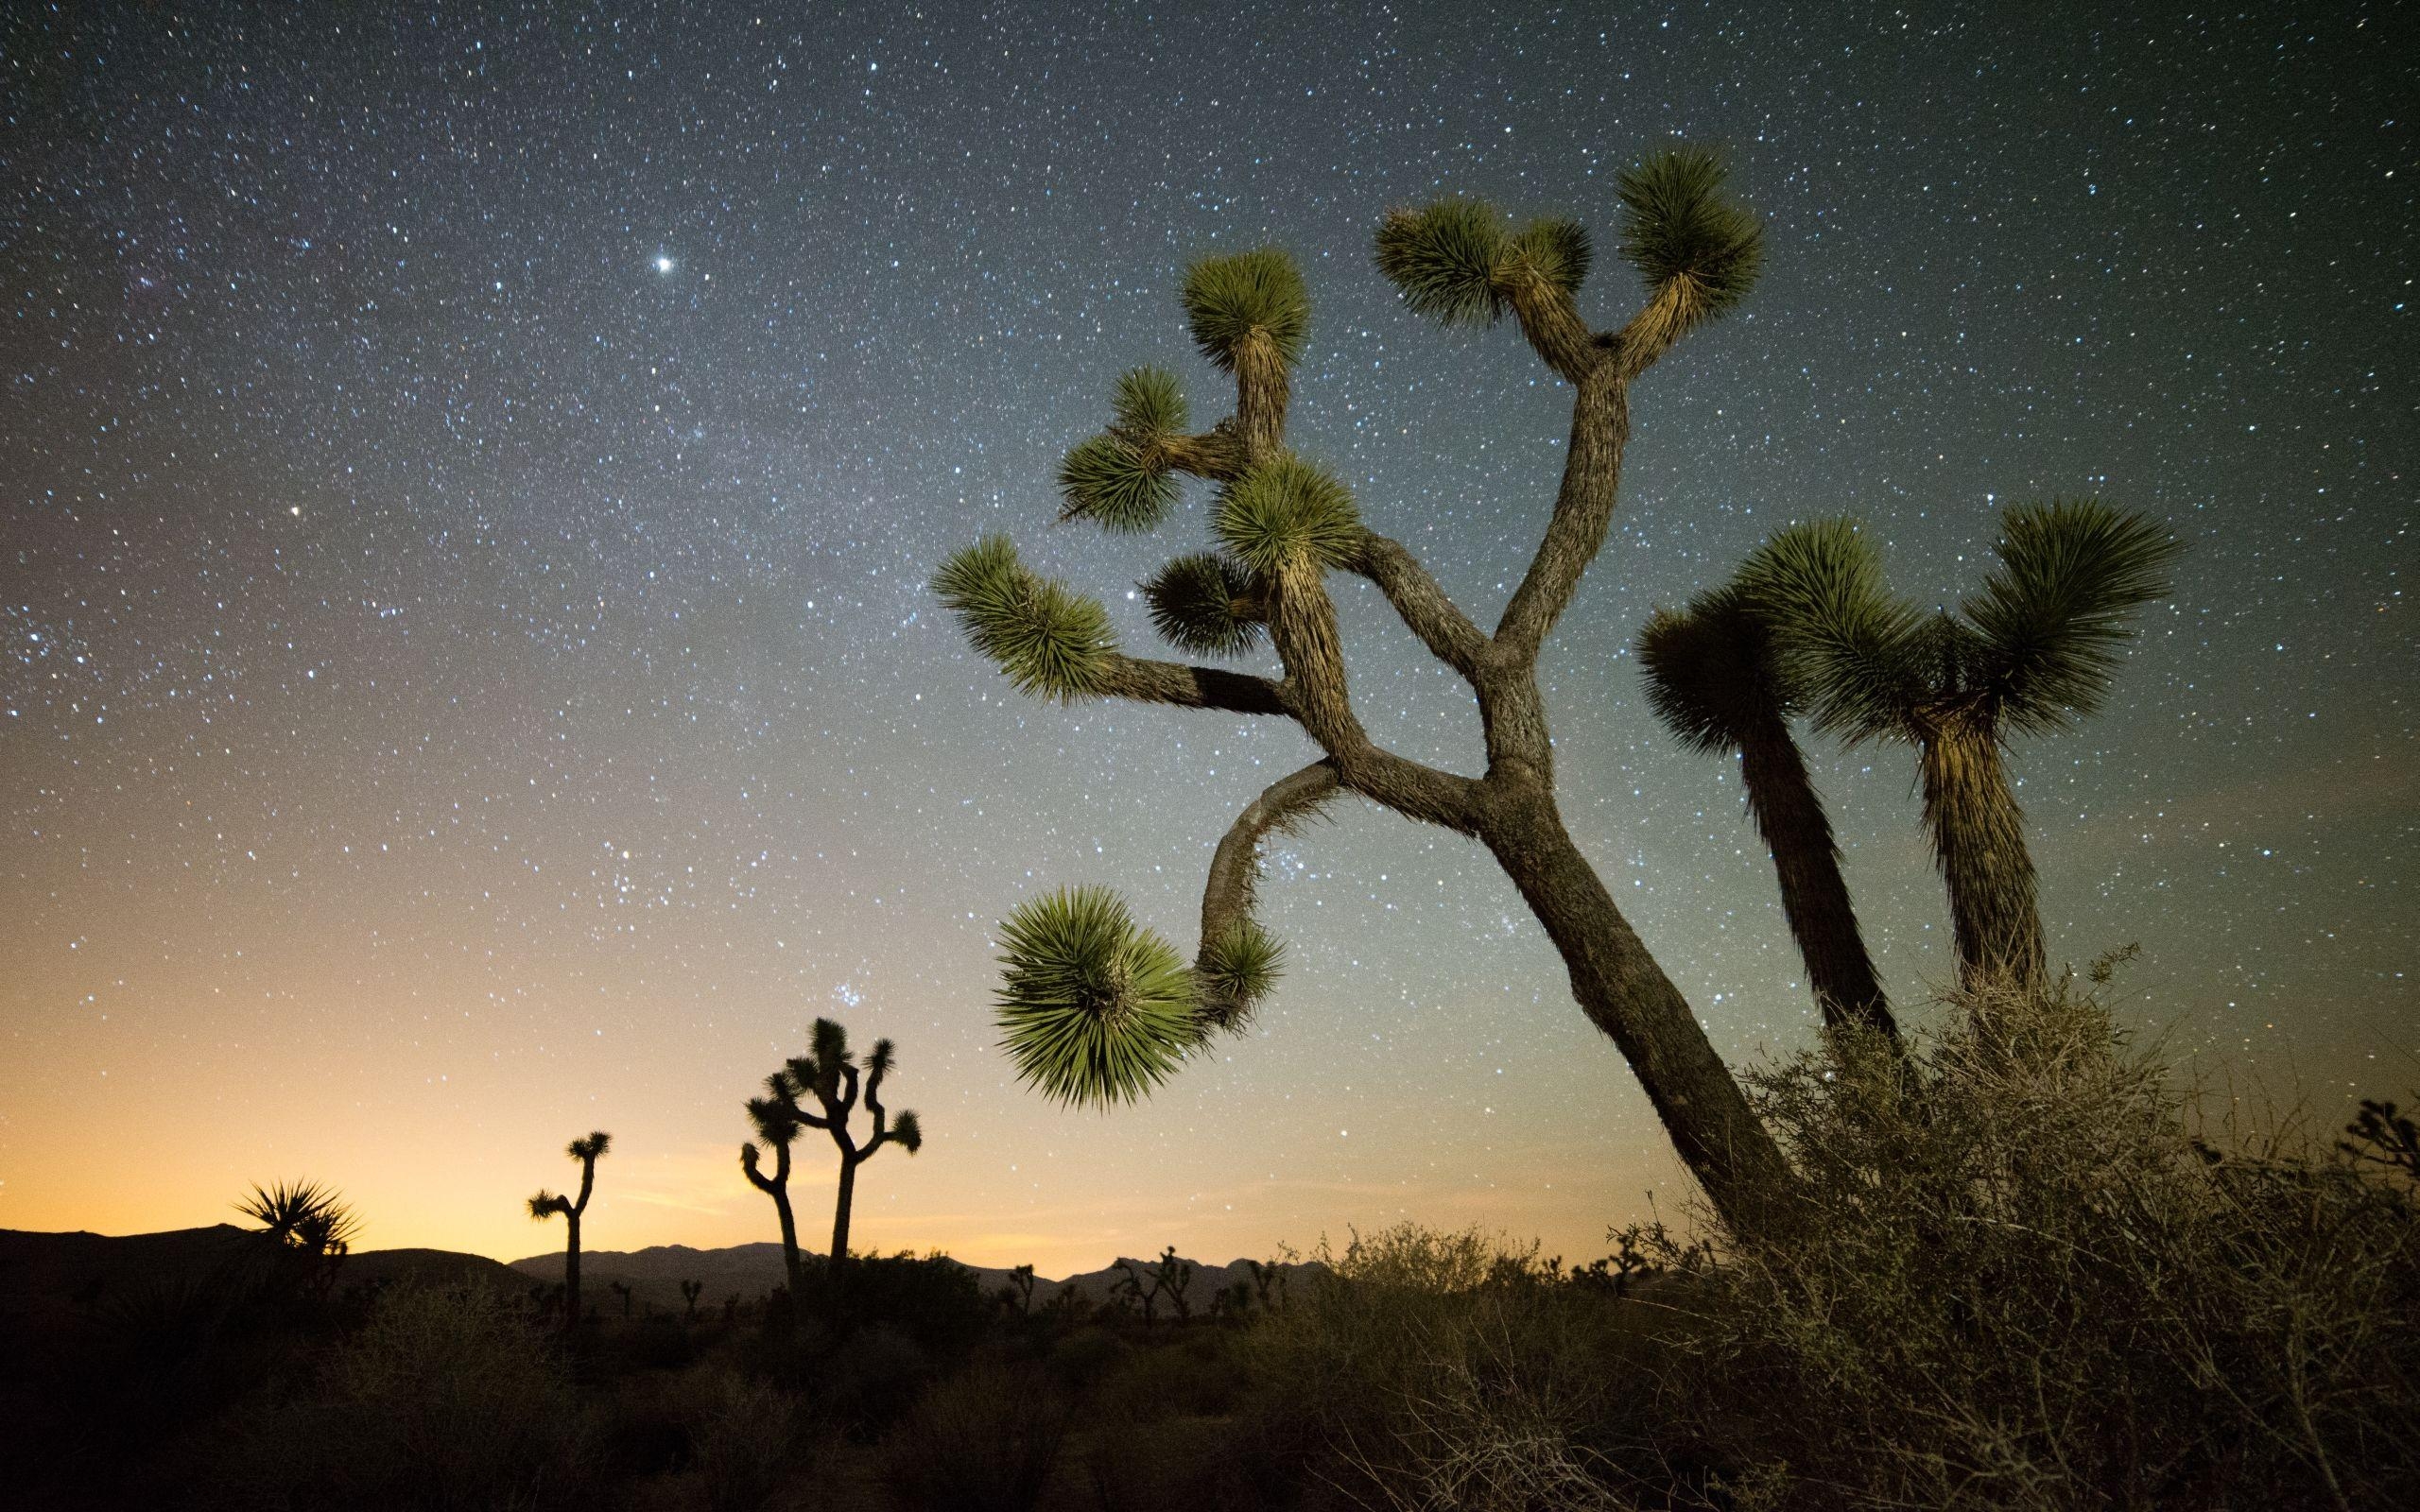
1173 1277
829 1076
546 1204
1017 1295
622 1290
689 1293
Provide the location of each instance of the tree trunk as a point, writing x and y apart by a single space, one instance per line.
841 1216
1979 842
1814 897
571 1273
1626 994
789 1239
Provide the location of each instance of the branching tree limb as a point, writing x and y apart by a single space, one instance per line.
1098 1010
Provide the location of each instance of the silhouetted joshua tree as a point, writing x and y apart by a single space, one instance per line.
777 1126
546 1204
622 1290
2029 654
1097 1009
1174 1277
690 1291
1017 1295
311 1226
1714 679
827 1075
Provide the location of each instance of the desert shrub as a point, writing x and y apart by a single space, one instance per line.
869 1377
659 1341
932 1299
1084 1355
746 1439
1450 1369
2021 1281
1194 1373
983 1441
1249 1463
445 1398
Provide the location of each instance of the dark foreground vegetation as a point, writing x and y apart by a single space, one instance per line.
2019 1278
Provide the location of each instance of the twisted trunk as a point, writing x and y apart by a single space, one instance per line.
1806 864
1979 842
1623 991
789 1238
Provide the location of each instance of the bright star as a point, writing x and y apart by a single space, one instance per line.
663 262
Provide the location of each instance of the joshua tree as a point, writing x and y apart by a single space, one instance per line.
828 1075
310 1224
546 1204
2029 653
1017 1295
1097 1009
690 1291
1264 1276
777 1126
1173 1276
1713 678
622 1290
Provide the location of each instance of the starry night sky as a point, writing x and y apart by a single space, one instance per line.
468 478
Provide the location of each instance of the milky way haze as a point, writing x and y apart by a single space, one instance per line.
470 479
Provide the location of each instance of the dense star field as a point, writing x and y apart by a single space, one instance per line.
470 478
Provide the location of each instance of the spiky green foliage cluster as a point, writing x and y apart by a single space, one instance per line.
2034 649
2055 611
1555 249
1289 510
907 1130
1149 401
1113 480
1227 300
304 1215
1050 642
1681 231
1857 654
595 1145
1711 675
1443 258
1093 1008
1237 971
1454 262
1193 602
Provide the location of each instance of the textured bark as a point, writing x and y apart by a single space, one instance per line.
1807 863
840 1206
1979 842
1623 991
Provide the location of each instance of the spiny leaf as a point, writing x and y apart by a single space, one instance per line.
1093 1009
1049 642
1555 250
1289 510
1193 603
1711 672
1685 238
1149 401
908 1130
1227 300
1112 479
1443 259
1236 972
1855 653
2051 617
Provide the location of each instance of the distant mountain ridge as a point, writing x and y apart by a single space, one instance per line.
654 1274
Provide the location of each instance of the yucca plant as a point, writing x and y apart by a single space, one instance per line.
545 1204
1714 679
312 1227
777 1126
2031 653
1096 1009
829 1077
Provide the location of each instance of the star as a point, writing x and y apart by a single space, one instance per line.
663 263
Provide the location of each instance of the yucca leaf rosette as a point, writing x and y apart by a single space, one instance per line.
1198 605
1289 511
1049 641
1092 1007
1120 478
2052 616
1235 972
1443 259
1696 248
1230 301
